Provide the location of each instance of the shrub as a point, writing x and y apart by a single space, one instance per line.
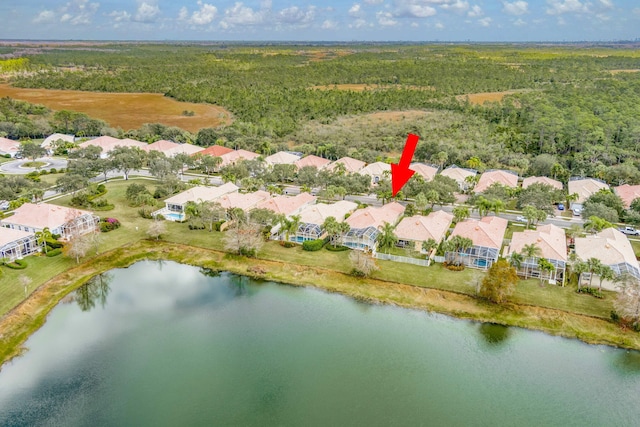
43 172
218 224
18 264
453 267
33 176
161 193
591 291
145 213
54 252
101 189
53 170
109 224
196 224
286 244
80 200
54 244
313 245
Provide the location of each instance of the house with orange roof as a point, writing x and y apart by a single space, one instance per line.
17 244
551 240
282 158
612 248
288 205
174 209
530 180
108 143
9 146
313 216
628 193
348 164
460 175
67 222
377 171
503 177
413 231
486 234
366 223
215 151
427 172
236 156
314 161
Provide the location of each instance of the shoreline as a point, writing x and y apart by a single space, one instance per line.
17 325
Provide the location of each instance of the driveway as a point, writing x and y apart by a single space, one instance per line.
15 167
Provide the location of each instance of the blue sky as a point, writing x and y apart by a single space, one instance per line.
376 20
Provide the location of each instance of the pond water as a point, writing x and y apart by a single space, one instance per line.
163 344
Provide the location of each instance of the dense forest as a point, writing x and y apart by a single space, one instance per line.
573 109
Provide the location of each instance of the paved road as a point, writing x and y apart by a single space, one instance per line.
15 166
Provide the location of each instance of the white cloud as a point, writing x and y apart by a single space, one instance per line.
457 6
439 26
356 10
119 16
372 1
516 8
77 12
148 11
44 17
519 22
475 12
485 22
559 7
358 23
386 19
329 25
606 4
205 14
296 16
183 15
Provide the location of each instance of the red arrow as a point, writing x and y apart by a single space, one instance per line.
400 173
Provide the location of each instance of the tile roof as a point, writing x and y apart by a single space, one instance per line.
244 201
428 172
287 205
43 215
350 165
202 193
551 240
189 149
487 232
422 228
628 193
216 151
375 169
376 216
311 160
584 188
8 235
541 180
457 173
108 143
282 158
9 146
236 155
55 137
609 246
162 146
506 178
318 213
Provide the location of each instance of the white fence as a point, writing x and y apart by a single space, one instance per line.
439 259
406 260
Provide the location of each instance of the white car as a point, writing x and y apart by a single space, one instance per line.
520 218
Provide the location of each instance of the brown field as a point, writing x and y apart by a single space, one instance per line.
125 110
359 87
481 98
614 72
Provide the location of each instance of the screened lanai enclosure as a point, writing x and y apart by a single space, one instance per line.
363 239
530 268
12 247
307 231
481 257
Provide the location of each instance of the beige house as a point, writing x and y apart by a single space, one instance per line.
628 193
56 137
486 234
541 180
288 205
108 143
175 205
66 222
236 156
365 224
16 244
552 242
282 158
311 160
502 177
585 187
428 172
188 149
312 217
377 171
460 175
413 231
9 146
162 146
612 248
244 201
350 165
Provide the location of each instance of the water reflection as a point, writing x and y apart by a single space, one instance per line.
627 362
95 290
209 272
493 334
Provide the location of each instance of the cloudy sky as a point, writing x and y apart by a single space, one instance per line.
414 20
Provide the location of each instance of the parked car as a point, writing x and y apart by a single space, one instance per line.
629 231
560 206
577 211
520 218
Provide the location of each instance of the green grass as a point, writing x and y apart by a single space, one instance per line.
34 164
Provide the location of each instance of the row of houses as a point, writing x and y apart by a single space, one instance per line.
18 231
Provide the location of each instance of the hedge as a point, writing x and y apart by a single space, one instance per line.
313 245
18 264
54 252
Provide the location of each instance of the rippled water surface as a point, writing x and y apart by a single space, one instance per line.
163 344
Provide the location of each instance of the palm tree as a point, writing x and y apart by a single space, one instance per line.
43 236
429 245
545 266
579 268
422 202
483 205
457 245
460 213
605 273
530 252
291 225
594 266
497 206
516 259
386 238
596 224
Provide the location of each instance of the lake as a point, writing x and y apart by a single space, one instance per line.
164 344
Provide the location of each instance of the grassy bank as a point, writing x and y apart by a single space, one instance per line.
22 321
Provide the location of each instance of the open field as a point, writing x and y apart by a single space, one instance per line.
362 87
481 98
125 110
614 72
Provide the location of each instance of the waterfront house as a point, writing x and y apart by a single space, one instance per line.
427 172
15 244
9 146
376 171
541 180
486 234
551 241
67 222
244 201
288 205
311 160
312 217
413 231
348 164
503 177
175 205
612 248
460 175
365 224
628 193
